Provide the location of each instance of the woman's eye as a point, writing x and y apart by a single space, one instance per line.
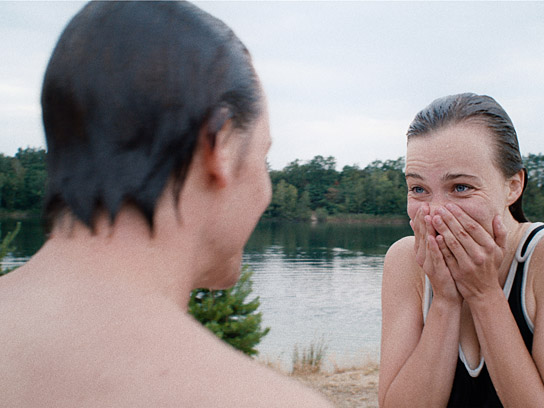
461 188
417 190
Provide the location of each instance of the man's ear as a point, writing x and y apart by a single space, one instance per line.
218 160
516 184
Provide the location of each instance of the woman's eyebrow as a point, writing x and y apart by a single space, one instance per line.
413 175
453 176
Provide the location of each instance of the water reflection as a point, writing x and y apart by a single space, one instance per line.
29 239
320 281
318 241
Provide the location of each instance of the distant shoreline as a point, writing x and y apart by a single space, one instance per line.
20 215
368 219
348 219
333 219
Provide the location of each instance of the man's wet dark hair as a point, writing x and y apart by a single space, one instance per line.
127 90
455 109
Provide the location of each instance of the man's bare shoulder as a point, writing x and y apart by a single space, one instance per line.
77 351
233 379
194 368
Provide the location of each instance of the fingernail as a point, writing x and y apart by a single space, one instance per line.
441 210
450 206
437 220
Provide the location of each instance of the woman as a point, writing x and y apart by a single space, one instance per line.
157 133
463 308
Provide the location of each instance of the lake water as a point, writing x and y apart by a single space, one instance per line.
316 283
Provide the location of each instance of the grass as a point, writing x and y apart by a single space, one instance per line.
309 360
5 246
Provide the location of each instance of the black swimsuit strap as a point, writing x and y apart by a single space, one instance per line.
516 298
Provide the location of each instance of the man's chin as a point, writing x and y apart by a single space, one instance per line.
229 274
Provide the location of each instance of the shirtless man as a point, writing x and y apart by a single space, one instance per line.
157 135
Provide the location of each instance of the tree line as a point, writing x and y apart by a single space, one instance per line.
316 187
22 180
302 189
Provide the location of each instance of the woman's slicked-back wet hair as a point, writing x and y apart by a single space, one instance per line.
482 109
127 90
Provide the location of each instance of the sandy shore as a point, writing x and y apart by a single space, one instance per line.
346 388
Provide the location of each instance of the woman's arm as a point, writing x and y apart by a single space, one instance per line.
474 258
417 361
512 369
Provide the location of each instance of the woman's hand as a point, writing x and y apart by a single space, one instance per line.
430 258
472 255
421 230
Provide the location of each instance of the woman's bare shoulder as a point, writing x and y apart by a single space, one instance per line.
404 247
400 266
401 255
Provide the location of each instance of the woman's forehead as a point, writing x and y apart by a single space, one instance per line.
463 138
459 146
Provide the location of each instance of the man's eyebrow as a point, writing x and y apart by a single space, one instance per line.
453 176
413 175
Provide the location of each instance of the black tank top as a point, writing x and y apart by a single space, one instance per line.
479 391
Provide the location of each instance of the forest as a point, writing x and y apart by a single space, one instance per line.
301 190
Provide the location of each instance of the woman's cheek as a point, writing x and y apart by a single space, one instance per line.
480 213
412 207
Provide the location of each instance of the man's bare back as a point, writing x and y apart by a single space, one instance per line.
67 346
157 133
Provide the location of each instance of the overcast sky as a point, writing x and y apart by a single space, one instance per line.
343 79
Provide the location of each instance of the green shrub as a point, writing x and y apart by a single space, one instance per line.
321 214
229 315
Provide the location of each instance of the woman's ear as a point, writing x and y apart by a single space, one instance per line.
516 185
216 152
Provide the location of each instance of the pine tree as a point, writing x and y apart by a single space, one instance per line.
229 315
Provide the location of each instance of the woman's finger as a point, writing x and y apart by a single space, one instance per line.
429 228
416 240
419 228
500 232
465 228
449 238
432 261
434 251
450 260
418 221
459 237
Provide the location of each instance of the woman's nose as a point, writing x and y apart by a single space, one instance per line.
436 203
